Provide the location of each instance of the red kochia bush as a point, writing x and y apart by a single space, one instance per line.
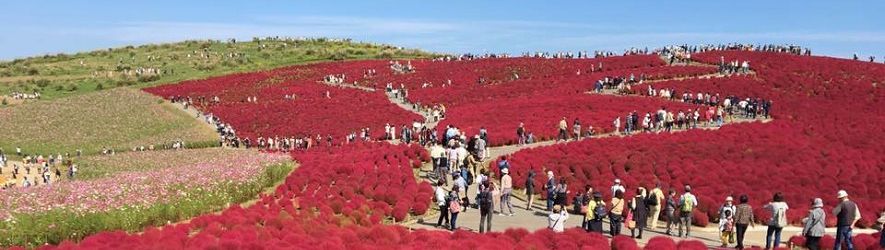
660 243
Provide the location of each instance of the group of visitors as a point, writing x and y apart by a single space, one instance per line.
415 132
575 133
748 107
24 96
47 169
399 68
733 67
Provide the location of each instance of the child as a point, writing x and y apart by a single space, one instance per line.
726 227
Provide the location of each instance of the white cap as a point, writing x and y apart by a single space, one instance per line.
841 194
550 173
505 171
729 198
617 180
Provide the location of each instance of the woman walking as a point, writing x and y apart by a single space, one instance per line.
743 218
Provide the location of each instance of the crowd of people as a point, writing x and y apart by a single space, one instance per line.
748 107
651 208
24 96
47 169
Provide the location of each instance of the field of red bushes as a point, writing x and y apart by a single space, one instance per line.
826 135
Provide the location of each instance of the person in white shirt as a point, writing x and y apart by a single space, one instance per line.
440 194
556 219
618 187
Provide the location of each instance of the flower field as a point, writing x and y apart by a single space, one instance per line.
134 198
119 119
339 208
309 113
541 114
826 137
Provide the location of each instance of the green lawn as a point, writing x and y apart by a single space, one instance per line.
63 75
119 118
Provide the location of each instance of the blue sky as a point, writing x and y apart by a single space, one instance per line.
837 28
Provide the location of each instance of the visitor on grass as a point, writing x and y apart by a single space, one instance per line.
454 208
743 218
687 203
655 198
639 209
530 189
616 213
486 205
506 190
726 213
443 202
814 224
778 210
847 214
595 213
670 211
557 219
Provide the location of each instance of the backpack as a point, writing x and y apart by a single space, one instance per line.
780 217
484 198
652 199
687 203
470 178
454 206
599 212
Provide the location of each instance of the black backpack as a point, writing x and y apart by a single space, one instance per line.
652 200
485 199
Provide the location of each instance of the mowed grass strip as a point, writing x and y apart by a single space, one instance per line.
120 118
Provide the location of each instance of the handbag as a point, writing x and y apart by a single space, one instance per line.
631 224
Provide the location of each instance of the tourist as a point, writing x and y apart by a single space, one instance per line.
520 134
443 202
557 219
639 209
743 218
880 223
654 205
563 125
595 213
561 192
617 124
618 187
576 129
670 211
616 213
461 188
847 214
454 208
486 205
550 187
726 213
506 190
687 203
778 209
530 189
814 225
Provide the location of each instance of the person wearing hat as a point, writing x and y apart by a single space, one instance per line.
595 213
506 190
556 219
814 224
726 213
847 213
687 203
618 187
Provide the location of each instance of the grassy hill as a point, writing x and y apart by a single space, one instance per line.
119 118
60 75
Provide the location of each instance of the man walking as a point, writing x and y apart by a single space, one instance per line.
506 190
485 206
687 203
847 213
654 205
